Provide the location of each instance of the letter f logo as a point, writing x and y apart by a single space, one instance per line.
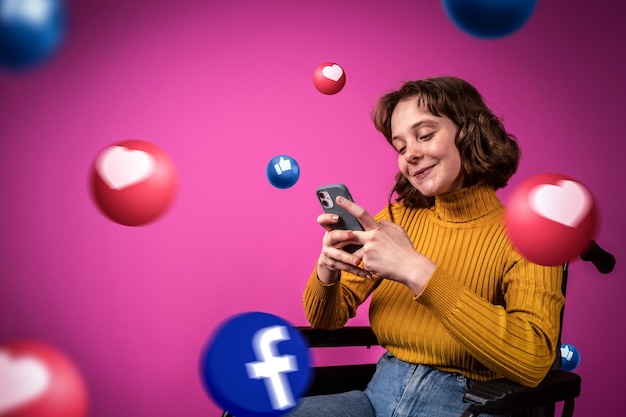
266 372
273 367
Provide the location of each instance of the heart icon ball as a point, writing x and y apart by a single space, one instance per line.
133 182
329 78
550 219
37 380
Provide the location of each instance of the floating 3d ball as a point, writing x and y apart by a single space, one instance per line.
489 18
256 365
36 380
570 357
30 31
329 78
282 171
133 182
550 219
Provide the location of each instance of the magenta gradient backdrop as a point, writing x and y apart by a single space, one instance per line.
225 86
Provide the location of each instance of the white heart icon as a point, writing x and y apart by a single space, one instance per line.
333 72
21 381
566 202
121 167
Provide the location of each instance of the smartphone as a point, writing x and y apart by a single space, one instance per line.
327 196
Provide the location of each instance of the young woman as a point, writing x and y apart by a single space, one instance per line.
452 301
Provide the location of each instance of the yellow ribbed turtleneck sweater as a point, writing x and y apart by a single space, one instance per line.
486 312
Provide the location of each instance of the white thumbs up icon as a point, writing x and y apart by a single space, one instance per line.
282 166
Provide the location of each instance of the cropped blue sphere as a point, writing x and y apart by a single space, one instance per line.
30 31
570 357
282 171
489 18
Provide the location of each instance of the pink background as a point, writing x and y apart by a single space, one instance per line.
225 87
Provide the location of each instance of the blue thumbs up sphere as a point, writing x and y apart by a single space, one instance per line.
282 171
570 357
489 18
256 365
30 31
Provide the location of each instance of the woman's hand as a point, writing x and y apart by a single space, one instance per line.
387 250
333 258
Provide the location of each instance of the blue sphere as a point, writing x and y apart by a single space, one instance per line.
282 171
570 357
489 18
30 31
256 365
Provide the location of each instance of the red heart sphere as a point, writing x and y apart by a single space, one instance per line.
133 182
36 380
329 78
551 219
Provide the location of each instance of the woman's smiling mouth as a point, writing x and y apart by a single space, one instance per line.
423 172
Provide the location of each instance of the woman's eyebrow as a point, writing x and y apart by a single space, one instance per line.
417 125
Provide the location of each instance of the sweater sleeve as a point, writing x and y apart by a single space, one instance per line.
331 306
518 341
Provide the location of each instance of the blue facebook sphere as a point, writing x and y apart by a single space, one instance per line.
30 31
489 18
570 357
256 365
282 171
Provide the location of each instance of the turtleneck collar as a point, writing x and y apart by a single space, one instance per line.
467 204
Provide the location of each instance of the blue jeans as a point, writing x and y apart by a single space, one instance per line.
397 389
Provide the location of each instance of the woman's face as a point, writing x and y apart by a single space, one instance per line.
427 154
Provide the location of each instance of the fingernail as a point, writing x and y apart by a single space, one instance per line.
341 199
335 217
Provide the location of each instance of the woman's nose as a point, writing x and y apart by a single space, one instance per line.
413 151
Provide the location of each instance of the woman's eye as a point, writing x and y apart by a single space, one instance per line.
427 136
401 150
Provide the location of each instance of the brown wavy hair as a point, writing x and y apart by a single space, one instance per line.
488 153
